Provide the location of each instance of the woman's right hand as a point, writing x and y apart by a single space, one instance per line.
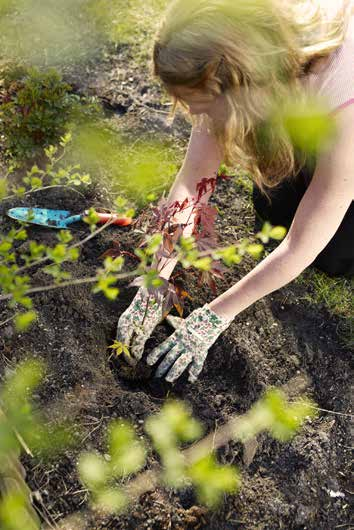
138 322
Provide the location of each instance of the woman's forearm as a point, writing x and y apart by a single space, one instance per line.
165 266
202 159
276 270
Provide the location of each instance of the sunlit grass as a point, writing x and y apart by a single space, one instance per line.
133 166
55 33
336 294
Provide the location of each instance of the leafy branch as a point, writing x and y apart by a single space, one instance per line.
196 465
116 480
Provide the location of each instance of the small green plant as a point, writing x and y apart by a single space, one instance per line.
119 348
51 176
35 109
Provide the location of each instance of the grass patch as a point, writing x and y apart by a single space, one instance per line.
336 294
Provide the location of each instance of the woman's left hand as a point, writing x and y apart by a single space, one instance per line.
189 344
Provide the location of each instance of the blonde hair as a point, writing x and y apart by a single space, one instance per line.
255 53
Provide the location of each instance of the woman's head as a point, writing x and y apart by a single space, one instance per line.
241 56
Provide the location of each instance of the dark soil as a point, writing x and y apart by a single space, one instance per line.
278 341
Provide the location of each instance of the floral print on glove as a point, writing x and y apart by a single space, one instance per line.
189 344
138 321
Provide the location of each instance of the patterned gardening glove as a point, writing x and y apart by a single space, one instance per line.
189 344
133 329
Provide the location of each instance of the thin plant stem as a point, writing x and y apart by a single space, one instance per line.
78 281
34 190
7 320
326 410
75 245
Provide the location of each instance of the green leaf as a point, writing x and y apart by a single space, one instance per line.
172 424
36 250
278 232
127 452
104 285
58 253
5 246
91 219
225 170
308 124
212 480
24 320
178 417
64 236
141 254
25 301
20 191
73 254
153 243
15 513
113 264
65 139
111 500
119 348
21 383
228 255
50 151
21 235
36 182
203 264
86 179
286 418
129 213
152 279
93 470
120 203
264 234
187 243
242 247
255 250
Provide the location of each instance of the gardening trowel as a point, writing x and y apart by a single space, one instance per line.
61 218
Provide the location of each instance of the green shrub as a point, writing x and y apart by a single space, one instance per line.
36 109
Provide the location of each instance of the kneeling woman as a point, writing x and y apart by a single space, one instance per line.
230 63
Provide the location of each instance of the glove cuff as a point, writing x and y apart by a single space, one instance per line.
213 317
206 324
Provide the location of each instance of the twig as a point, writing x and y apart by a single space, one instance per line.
325 410
7 320
41 189
79 281
94 234
93 430
75 245
23 443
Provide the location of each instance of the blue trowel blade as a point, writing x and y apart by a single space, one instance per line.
43 216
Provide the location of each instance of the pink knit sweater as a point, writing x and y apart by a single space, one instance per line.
335 81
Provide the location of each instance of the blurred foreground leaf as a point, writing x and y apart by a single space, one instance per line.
132 168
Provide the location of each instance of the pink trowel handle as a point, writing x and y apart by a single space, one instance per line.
117 220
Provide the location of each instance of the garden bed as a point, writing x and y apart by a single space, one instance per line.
279 339
270 343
